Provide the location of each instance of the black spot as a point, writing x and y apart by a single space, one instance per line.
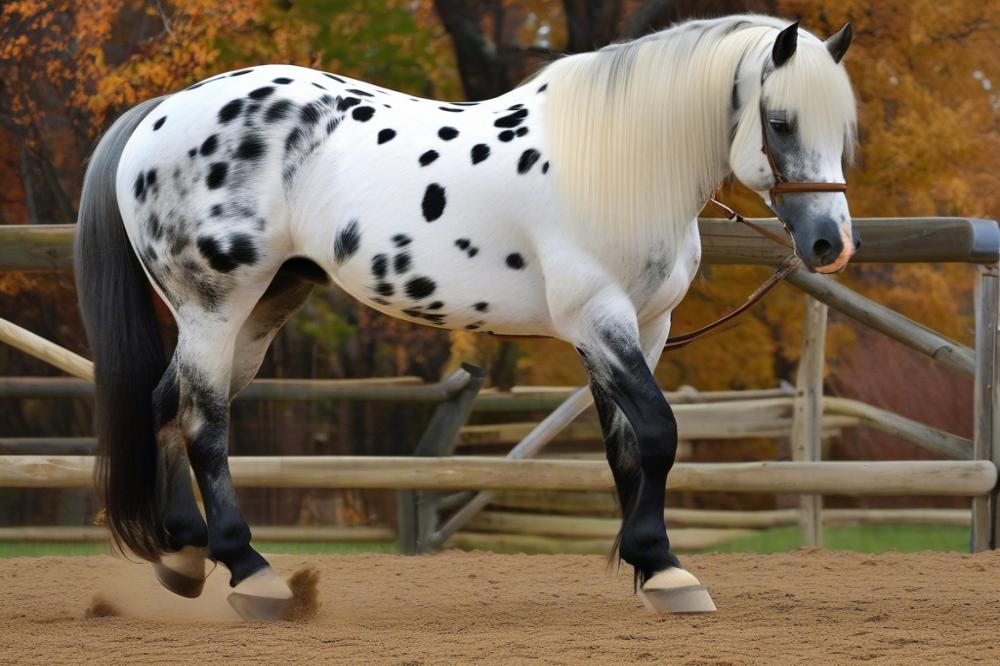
293 139
445 108
328 100
473 251
515 107
401 263
151 179
192 152
511 119
465 103
261 93
420 287
319 86
480 152
310 113
363 113
428 157
380 301
209 145
447 133
252 108
252 147
515 261
434 318
463 243
331 125
386 135
282 81
543 87
521 131
473 327
436 305
360 92
278 110
482 306
528 159
241 251
230 111
347 102
217 175
380 266
506 136
155 228
545 167
216 210
241 73
335 78
159 123
347 242
385 289
401 240
433 203
411 312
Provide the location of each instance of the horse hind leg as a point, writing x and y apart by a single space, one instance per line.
205 367
181 568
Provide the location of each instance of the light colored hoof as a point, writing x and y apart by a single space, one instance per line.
183 572
262 596
676 591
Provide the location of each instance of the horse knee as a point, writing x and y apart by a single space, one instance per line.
657 442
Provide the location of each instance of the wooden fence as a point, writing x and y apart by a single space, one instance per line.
432 512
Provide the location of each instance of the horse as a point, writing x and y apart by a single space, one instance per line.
564 208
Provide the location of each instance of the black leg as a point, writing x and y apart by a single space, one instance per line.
641 437
182 521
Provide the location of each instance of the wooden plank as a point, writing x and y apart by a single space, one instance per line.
680 539
309 533
807 423
986 410
49 352
886 240
889 322
48 445
966 478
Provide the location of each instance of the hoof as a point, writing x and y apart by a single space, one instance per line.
183 572
676 591
262 596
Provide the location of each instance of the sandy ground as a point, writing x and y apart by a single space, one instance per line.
803 607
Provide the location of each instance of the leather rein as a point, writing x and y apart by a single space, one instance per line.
790 263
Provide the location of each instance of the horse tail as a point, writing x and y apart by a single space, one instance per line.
129 358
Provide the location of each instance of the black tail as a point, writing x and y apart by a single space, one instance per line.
125 343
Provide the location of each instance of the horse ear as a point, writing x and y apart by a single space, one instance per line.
838 43
784 45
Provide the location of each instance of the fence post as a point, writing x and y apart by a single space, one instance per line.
418 510
807 420
987 410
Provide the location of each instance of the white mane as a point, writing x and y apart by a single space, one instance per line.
639 132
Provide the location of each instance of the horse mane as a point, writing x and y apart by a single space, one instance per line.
639 132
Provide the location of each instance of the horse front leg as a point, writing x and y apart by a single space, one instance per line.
640 434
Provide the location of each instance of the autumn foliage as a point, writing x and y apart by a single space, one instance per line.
923 72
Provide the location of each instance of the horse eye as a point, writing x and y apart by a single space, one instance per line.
780 125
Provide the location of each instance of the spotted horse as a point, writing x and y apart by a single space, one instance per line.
564 208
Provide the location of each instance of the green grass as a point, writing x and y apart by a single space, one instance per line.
35 549
864 539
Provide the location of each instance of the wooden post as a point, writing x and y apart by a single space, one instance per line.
418 510
987 411
807 421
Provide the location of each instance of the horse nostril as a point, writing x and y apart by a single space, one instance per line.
822 249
